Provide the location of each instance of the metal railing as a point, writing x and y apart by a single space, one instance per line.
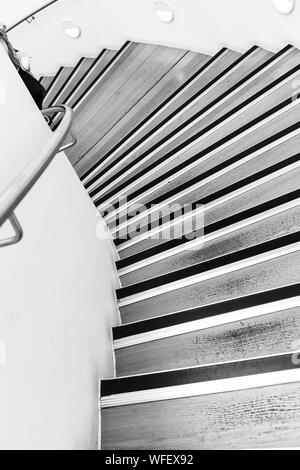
22 184
31 15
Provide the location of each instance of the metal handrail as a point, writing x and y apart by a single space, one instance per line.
18 232
22 184
27 17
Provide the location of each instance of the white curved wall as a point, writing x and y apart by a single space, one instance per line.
199 25
57 301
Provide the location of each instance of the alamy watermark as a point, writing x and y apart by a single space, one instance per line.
127 221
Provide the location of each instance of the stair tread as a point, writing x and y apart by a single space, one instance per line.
206 311
261 418
70 85
191 134
169 106
203 373
244 278
132 123
62 76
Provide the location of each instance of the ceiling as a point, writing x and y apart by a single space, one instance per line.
200 25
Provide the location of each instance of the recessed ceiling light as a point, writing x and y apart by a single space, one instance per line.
71 29
164 12
284 7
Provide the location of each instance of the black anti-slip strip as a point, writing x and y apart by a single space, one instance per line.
212 197
239 217
189 161
196 135
67 81
53 81
199 313
114 58
79 83
197 374
206 266
164 121
214 170
93 64
156 110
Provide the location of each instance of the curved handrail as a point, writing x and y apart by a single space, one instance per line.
27 17
18 235
22 184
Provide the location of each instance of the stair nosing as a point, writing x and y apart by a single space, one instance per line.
270 298
109 194
212 174
202 69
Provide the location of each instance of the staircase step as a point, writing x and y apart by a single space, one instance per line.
153 122
70 85
60 79
77 95
263 417
162 97
218 121
269 221
191 274
207 178
117 391
269 130
272 182
147 113
46 81
145 65
262 324
271 270
180 121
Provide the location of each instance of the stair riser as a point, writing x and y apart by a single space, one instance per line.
261 191
75 80
219 179
131 126
263 276
260 418
46 82
59 83
193 163
210 71
182 116
254 234
254 337
208 118
127 85
77 95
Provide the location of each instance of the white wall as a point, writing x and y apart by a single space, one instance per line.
57 302
200 25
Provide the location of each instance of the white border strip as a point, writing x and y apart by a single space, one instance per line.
141 162
209 322
201 241
192 280
77 72
195 187
154 233
184 90
226 145
203 388
170 121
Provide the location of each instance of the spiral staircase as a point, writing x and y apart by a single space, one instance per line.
206 353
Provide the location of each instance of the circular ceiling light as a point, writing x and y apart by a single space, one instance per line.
164 12
285 7
71 29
